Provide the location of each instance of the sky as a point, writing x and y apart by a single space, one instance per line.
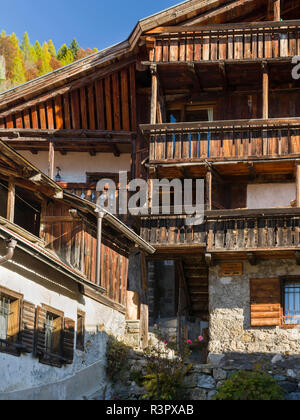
95 23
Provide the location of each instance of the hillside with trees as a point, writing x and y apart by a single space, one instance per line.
22 61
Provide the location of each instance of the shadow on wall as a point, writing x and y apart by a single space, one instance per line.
84 378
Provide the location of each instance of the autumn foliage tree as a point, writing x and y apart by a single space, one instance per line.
24 61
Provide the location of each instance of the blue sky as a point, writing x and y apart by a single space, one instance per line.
95 23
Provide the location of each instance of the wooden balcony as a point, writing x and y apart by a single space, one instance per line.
228 232
230 42
223 140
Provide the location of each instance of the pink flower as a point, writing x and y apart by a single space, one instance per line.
189 342
200 338
165 342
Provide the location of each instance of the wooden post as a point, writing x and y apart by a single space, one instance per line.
277 12
51 160
208 198
154 94
265 91
298 184
11 200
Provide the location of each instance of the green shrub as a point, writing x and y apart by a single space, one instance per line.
117 356
250 386
166 385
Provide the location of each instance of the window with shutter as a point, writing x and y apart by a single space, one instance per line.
55 337
266 310
10 321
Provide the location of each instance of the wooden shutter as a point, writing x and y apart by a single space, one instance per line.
28 326
68 340
40 330
14 321
265 302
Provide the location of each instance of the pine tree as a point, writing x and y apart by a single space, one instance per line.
29 53
38 49
74 47
45 58
51 48
65 55
18 71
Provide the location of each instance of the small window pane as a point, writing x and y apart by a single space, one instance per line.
292 303
4 317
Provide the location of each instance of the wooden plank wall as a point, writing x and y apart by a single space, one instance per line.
75 242
104 104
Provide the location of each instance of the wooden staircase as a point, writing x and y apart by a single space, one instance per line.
195 272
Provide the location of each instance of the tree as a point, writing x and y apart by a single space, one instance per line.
18 71
38 49
65 55
74 47
29 53
51 48
45 58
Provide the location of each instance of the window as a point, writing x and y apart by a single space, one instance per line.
275 302
190 113
80 330
54 337
291 302
10 320
53 333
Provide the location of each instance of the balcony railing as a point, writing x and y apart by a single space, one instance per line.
223 140
249 41
228 230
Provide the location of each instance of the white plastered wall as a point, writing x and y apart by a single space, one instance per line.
74 165
264 196
24 377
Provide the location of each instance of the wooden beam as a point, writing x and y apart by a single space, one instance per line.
10 215
51 160
208 198
298 184
154 94
265 91
277 11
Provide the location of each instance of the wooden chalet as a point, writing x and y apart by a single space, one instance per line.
203 90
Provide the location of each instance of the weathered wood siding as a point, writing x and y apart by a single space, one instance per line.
75 242
226 42
104 104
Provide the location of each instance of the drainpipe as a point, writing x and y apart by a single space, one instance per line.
11 245
100 215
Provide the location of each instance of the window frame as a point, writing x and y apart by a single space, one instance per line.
12 347
53 355
283 282
184 107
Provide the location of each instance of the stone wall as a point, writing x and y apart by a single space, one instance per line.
230 330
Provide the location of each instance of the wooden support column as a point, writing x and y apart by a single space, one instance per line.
51 160
154 95
298 184
277 11
208 190
265 91
11 200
